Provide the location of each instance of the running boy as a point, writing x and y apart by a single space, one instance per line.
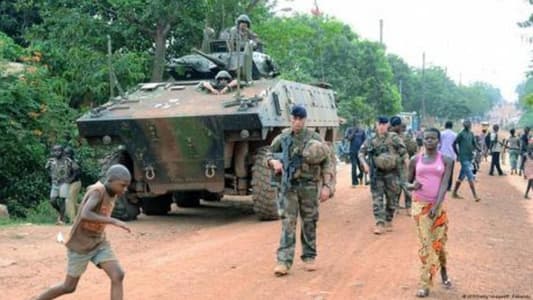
87 240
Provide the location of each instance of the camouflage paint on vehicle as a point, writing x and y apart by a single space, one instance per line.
181 144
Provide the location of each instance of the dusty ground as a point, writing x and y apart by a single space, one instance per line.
222 252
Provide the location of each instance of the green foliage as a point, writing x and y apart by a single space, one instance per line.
29 105
9 51
221 14
442 97
526 119
16 16
42 213
74 46
523 90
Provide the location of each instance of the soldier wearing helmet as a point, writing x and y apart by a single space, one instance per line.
222 84
242 33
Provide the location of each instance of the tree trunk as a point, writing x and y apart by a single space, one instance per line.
159 53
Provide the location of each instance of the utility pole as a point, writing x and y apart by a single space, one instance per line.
400 83
110 66
381 31
423 117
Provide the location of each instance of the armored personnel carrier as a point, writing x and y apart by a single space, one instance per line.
182 144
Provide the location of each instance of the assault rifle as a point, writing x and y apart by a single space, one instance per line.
290 166
372 165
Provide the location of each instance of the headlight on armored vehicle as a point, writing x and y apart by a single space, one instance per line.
245 134
106 140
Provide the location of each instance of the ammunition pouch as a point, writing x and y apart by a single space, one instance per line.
386 162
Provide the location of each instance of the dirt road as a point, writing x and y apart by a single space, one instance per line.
222 252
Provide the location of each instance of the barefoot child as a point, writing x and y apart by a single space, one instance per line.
87 240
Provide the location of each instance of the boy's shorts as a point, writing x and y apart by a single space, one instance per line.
60 190
466 171
77 262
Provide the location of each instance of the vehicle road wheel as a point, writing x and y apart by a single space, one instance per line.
187 199
264 195
158 206
124 210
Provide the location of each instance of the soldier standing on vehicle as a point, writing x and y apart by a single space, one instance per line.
312 180
385 151
59 166
356 137
242 32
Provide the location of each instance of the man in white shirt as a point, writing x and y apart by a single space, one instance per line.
496 147
447 137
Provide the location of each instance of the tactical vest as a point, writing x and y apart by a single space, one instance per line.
306 171
384 153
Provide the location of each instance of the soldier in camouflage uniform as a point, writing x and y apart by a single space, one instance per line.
311 182
59 166
385 152
410 146
242 33
222 84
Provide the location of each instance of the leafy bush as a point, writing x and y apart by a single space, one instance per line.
42 213
30 104
526 119
8 49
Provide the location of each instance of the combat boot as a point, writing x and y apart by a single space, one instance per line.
378 229
281 270
310 265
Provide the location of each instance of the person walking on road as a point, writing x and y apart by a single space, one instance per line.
524 141
356 137
429 173
312 180
59 166
513 144
385 152
528 172
496 147
398 127
87 241
464 147
447 138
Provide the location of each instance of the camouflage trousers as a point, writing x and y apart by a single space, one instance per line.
301 200
432 236
385 193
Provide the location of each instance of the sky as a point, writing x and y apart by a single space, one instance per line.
475 40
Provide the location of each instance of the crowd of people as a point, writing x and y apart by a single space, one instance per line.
388 159
422 166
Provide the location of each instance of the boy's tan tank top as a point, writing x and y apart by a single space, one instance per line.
85 236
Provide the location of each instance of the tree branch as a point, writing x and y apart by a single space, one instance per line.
251 5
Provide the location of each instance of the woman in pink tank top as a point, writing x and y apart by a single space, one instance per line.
429 173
